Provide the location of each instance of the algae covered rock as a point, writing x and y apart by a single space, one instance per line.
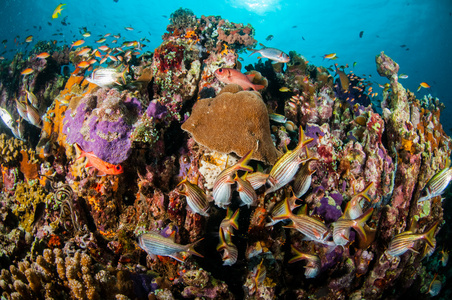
234 121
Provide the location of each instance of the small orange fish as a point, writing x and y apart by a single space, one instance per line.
29 39
104 48
86 34
43 55
27 71
103 167
83 51
107 35
83 64
330 56
78 43
423 85
128 28
100 41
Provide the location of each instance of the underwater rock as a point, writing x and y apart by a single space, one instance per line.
234 121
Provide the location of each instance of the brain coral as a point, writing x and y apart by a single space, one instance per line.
234 121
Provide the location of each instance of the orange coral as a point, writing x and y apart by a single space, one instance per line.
29 169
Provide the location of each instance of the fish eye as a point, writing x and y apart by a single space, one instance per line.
118 168
220 70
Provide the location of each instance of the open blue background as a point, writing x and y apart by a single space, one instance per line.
327 26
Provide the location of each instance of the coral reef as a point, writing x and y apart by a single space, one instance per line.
67 233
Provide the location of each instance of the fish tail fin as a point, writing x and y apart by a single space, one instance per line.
301 139
234 219
242 163
191 249
257 87
82 152
429 235
254 51
298 255
365 192
284 212
360 222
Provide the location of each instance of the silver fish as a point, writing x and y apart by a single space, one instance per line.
313 264
246 191
196 198
222 185
436 185
107 77
155 244
230 221
230 253
341 231
404 241
303 178
273 54
287 165
6 117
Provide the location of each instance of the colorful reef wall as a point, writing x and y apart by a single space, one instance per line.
153 179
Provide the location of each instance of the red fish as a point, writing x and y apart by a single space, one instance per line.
103 167
228 75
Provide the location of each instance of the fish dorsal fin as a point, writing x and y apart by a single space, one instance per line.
226 163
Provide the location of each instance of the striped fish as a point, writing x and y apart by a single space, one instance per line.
246 191
436 185
257 179
312 228
313 264
222 185
303 179
155 244
33 115
278 210
404 241
230 253
230 221
354 209
196 198
341 231
287 165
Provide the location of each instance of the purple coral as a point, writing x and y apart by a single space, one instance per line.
108 140
330 213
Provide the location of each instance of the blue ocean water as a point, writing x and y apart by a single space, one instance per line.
416 34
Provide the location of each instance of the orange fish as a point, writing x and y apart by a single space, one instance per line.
228 75
424 85
103 167
43 55
27 71
29 39
104 48
83 51
78 43
128 28
83 64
